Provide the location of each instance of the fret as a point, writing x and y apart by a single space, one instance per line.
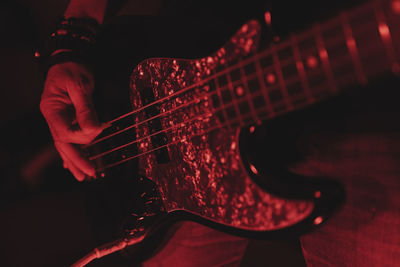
240 96
282 84
300 70
248 95
222 104
234 98
257 98
385 35
323 55
352 48
264 90
371 50
313 67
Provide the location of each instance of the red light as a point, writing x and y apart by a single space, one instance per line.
253 169
384 30
311 62
317 194
323 54
239 90
37 54
396 6
252 129
318 220
271 79
267 17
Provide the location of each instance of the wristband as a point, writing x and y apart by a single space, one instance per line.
74 36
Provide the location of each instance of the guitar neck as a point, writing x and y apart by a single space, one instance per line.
350 49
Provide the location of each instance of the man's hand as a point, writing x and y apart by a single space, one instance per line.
68 108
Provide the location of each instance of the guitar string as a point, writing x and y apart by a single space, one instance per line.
165 145
186 89
197 101
210 94
176 126
208 130
290 81
205 131
240 64
206 95
157 148
252 59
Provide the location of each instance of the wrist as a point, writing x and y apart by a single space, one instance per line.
72 41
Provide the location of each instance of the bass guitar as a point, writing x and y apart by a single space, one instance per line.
190 119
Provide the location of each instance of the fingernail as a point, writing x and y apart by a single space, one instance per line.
105 125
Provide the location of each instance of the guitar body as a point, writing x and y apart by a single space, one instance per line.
203 176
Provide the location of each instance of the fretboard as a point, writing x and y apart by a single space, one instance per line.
348 50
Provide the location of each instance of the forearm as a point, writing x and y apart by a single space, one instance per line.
87 9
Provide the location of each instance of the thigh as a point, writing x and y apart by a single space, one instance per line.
366 231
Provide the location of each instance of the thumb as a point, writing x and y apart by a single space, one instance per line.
85 112
86 115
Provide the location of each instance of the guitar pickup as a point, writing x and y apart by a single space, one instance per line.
159 138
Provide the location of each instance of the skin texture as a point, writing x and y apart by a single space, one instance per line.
68 109
66 100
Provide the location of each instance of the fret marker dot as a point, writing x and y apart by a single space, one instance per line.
312 62
239 90
267 17
323 54
271 79
384 30
396 6
253 169
318 220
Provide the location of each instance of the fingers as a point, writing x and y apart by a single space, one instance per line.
60 120
69 111
75 161
80 176
67 99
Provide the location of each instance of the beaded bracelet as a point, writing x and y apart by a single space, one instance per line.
73 36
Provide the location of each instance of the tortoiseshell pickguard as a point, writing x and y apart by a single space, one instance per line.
205 175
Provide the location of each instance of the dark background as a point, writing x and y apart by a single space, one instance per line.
44 219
